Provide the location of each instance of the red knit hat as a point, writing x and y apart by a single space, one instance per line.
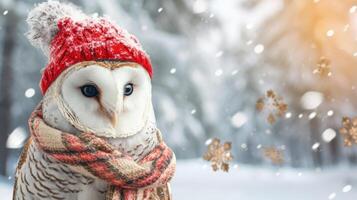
90 40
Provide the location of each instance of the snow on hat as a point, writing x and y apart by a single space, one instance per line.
67 36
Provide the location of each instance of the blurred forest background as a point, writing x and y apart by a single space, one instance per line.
212 61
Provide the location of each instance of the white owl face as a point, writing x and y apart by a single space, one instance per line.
110 101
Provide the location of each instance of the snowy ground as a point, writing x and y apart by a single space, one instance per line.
5 188
195 180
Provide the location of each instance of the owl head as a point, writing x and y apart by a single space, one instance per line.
98 76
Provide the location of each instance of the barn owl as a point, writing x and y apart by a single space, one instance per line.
109 97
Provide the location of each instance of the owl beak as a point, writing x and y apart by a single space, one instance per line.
110 114
113 117
111 107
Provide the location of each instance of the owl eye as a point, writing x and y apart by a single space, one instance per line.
89 90
128 89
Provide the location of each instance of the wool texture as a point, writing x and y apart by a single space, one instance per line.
90 39
94 156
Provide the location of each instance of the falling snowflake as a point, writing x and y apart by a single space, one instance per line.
218 72
218 154
323 67
275 155
347 188
30 93
315 146
330 33
332 195
172 70
259 49
328 135
274 104
349 131
219 54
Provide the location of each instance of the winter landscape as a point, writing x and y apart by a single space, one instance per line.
274 79
195 180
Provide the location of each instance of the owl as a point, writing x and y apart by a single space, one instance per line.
98 80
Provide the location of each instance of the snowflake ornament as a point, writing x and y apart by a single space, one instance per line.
323 67
349 131
219 155
274 155
274 104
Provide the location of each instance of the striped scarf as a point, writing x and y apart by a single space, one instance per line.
93 156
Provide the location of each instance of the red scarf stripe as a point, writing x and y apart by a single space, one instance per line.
149 177
80 158
91 140
116 177
160 166
145 179
101 170
73 143
168 173
154 154
157 169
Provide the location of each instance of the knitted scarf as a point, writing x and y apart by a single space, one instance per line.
93 156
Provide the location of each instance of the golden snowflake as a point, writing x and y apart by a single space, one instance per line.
323 67
276 156
349 131
219 154
274 104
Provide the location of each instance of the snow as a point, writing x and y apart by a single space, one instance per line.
258 49
5 189
312 115
239 119
330 33
30 92
16 138
328 135
172 70
195 180
347 188
315 146
330 113
311 100
199 6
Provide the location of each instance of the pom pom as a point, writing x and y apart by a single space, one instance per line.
43 19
